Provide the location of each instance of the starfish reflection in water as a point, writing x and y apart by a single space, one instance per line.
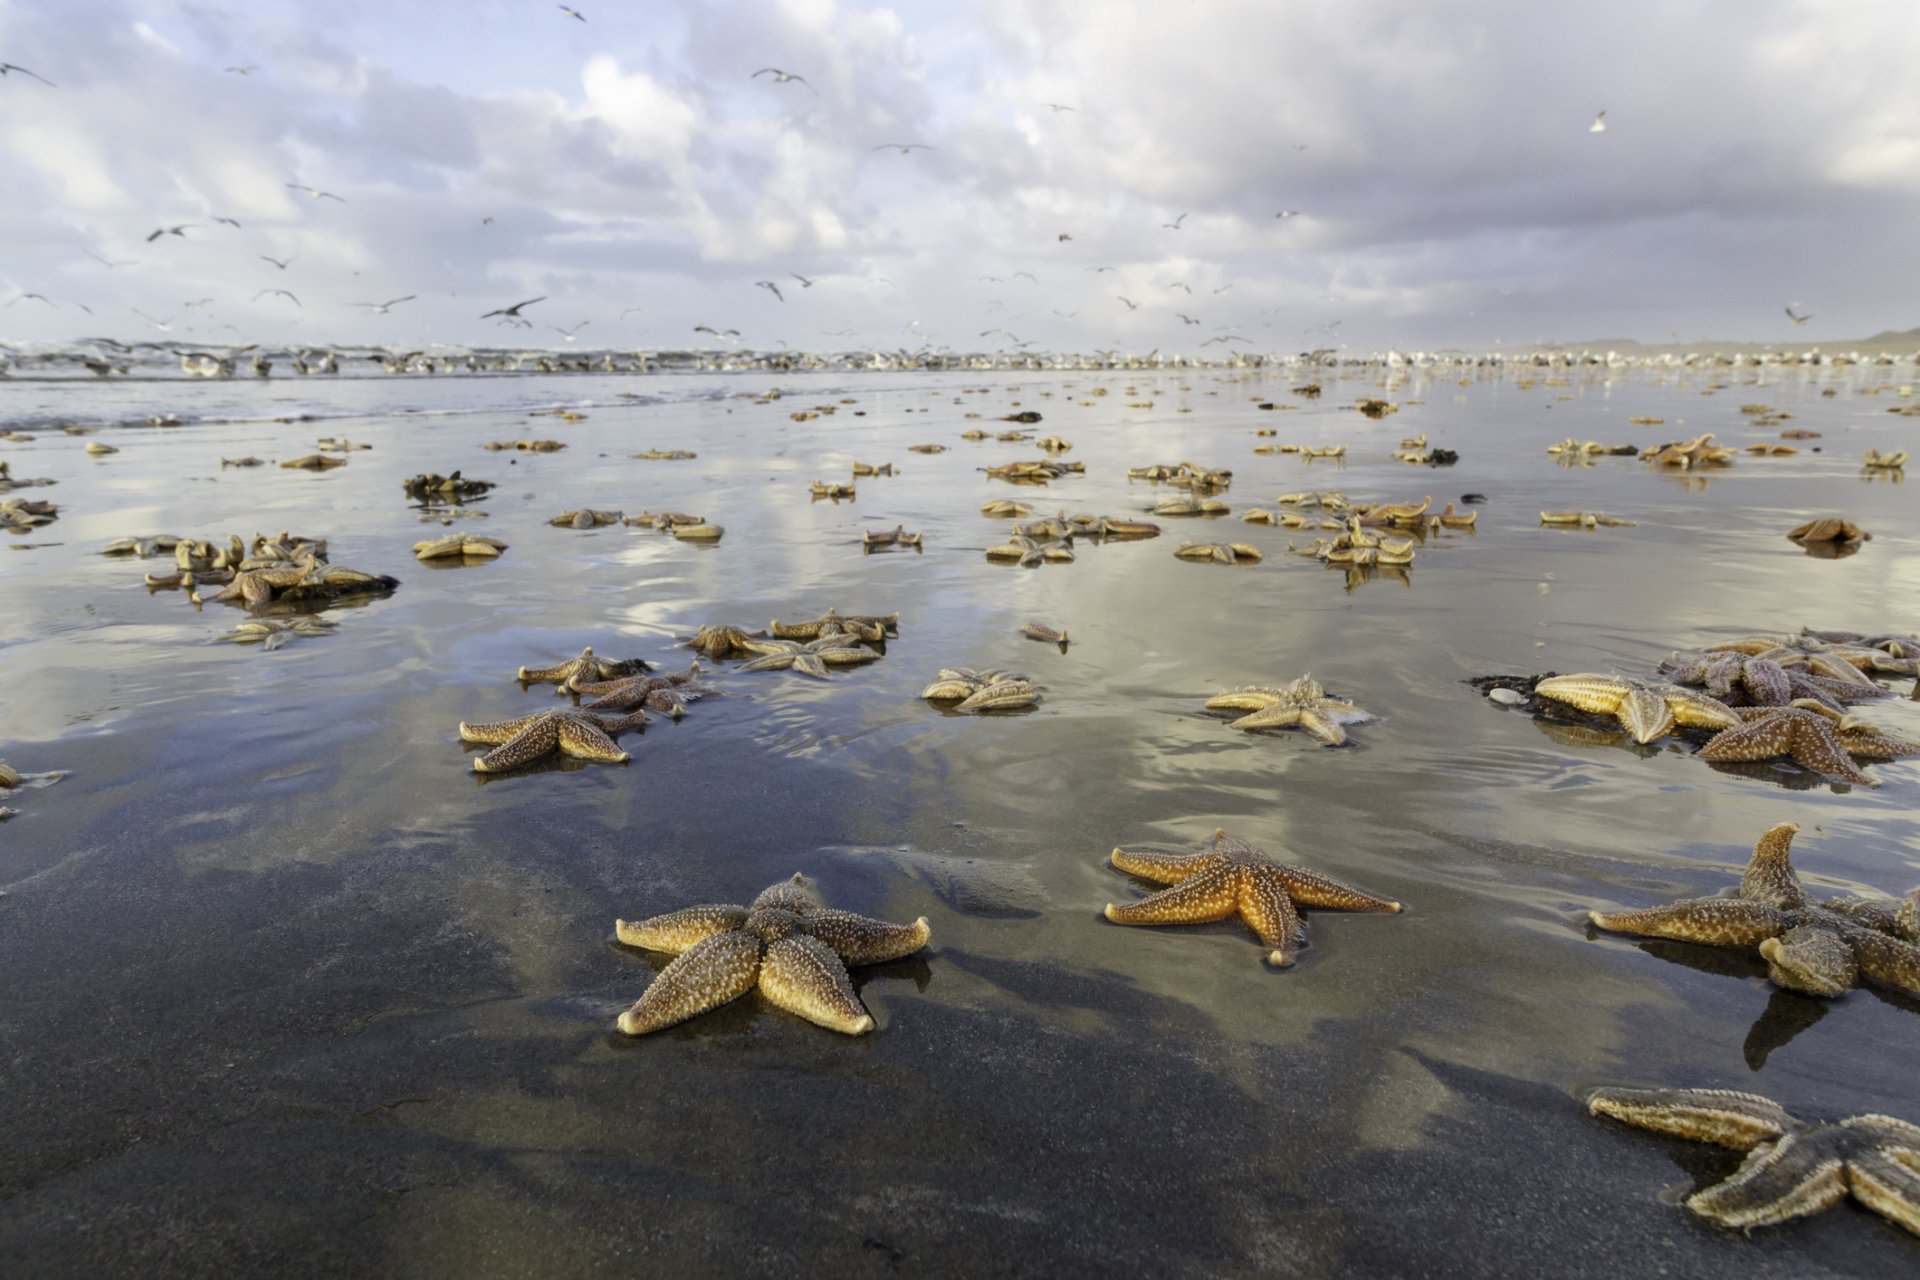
1234 878
1822 949
786 943
1794 1168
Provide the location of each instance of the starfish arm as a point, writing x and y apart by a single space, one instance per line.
1162 868
621 697
772 662
1211 895
1887 960
1645 714
1875 744
1263 903
1882 915
497 732
1769 876
794 894
1281 715
582 739
255 588
1766 682
1243 700
1722 1116
809 664
1888 1186
1784 733
676 931
1697 711
563 672
1311 889
859 939
705 976
538 739
671 702
1796 1176
802 975
1321 725
1600 695
1726 922
612 724
1811 959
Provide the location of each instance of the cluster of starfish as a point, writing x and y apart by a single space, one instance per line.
283 567
1299 704
1763 698
622 692
970 692
808 648
1821 948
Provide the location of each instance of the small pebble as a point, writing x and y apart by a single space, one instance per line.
1507 697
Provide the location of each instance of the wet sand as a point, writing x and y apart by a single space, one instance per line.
290 987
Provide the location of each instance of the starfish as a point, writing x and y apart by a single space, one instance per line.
584 667
1301 704
1645 709
974 691
666 694
1809 737
1818 948
460 546
1794 1168
1836 661
865 626
1899 646
580 734
786 943
1234 877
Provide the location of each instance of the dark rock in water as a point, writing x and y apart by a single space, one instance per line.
1025 415
1473 499
1442 458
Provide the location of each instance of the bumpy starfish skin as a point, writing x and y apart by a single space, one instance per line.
1818 948
1794 1168
1234 877
667 694
786 943
528 738
1788 731
1646 709
1300 704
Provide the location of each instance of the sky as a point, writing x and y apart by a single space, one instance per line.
633 171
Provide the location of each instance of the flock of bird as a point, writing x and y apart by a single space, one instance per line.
1222 335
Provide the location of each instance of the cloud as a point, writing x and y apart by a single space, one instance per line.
1449 191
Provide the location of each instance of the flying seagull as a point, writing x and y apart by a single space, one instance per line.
380 308
1175 224
1028 274
904 147
571 13
1063 237
629 311
314 193
1097 270
804 282
781 77
164 326
8 66
282 292
1185 317
110 265
1056 106
718 333
1798 319
229 221
239 71
1287 213
41 297
179 230
513 312
1131 304
276 261
200 302
1066 315
770 287
1181 284
570 334
1225 337
1599 124
1223 288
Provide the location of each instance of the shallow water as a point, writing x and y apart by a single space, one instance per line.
290 986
